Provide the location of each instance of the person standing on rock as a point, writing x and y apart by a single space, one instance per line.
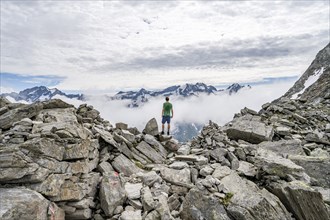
167 114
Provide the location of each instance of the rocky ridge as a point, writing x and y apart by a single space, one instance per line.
60 162
69 163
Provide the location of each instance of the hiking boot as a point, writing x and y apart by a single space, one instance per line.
162 133
168 133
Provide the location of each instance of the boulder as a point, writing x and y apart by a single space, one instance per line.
249 202
151 153
149 178
147 199
21 203
133 190
283 147
315 167
112 193
273 164
301 200
123 165
131 215
151 127
151 140
201 205
247 169
26 111
179 176
16 167
249 128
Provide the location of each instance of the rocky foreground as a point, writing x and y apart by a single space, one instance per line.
59 162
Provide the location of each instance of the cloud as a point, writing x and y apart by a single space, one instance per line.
84 40
219 109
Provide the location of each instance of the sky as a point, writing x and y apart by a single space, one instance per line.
122 45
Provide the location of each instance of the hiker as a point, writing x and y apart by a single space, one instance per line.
167 114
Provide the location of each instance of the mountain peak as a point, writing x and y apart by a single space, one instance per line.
40 93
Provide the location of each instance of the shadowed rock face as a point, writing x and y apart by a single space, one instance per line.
319 68
70 163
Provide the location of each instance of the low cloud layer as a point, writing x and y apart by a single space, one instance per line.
219 109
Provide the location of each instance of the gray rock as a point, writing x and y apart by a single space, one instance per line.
162 207
151 127
285 131
112 193
123 165
80 214
55 104
16 167
21 203
249 202
184 150
181 176
178 165
77 151
172 145
131 215
221 172
105 168
301 200
327 128
205 171
315 167
148 151
283 147
154 215
26 111
218 154
199 205
325 193
150 178
247 169
249 128
234 162
46 147
133 190
147 200
318 152
121 125
155 144
273 164
128 136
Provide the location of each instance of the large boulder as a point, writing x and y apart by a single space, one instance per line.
249 202
112 193
123 165
201 205
151 127
150 152
249 128
273 164
26 111
316 167
301 200
21 203
283 147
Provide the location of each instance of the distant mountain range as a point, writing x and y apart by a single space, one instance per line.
40 93
187 90
137 98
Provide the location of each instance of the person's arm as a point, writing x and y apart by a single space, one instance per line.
172 112
163 112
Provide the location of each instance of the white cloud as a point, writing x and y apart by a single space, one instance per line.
86 40
219 109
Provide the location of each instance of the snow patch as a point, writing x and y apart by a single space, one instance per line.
310 81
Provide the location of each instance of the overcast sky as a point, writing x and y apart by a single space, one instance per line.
112 45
